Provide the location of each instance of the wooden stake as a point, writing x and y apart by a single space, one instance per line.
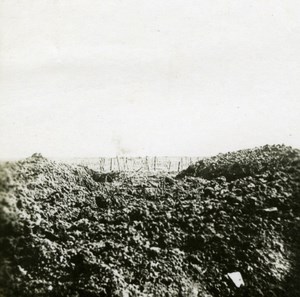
146 163
118 163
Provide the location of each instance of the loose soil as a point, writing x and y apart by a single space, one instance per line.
70 231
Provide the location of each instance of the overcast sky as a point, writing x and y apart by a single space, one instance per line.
98 78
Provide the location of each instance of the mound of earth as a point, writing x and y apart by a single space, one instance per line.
243 163
64 232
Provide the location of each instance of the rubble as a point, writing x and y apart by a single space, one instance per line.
64 232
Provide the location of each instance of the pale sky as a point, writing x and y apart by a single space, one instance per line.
88 78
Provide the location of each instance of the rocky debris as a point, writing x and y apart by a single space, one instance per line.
104 177
37 156
62 233
263 160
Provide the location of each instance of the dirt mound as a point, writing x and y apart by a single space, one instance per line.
63 233
243 163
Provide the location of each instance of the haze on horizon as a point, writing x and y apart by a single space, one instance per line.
167 78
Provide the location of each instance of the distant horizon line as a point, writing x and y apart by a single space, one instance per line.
105 157
6 159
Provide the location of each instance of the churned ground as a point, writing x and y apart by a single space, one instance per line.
70 231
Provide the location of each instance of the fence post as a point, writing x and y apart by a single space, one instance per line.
146 163
118 163
103 164
178 166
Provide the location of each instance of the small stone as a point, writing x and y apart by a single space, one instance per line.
271 209
155 249
22 270
237 279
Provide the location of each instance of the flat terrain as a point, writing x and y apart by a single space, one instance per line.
134 164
